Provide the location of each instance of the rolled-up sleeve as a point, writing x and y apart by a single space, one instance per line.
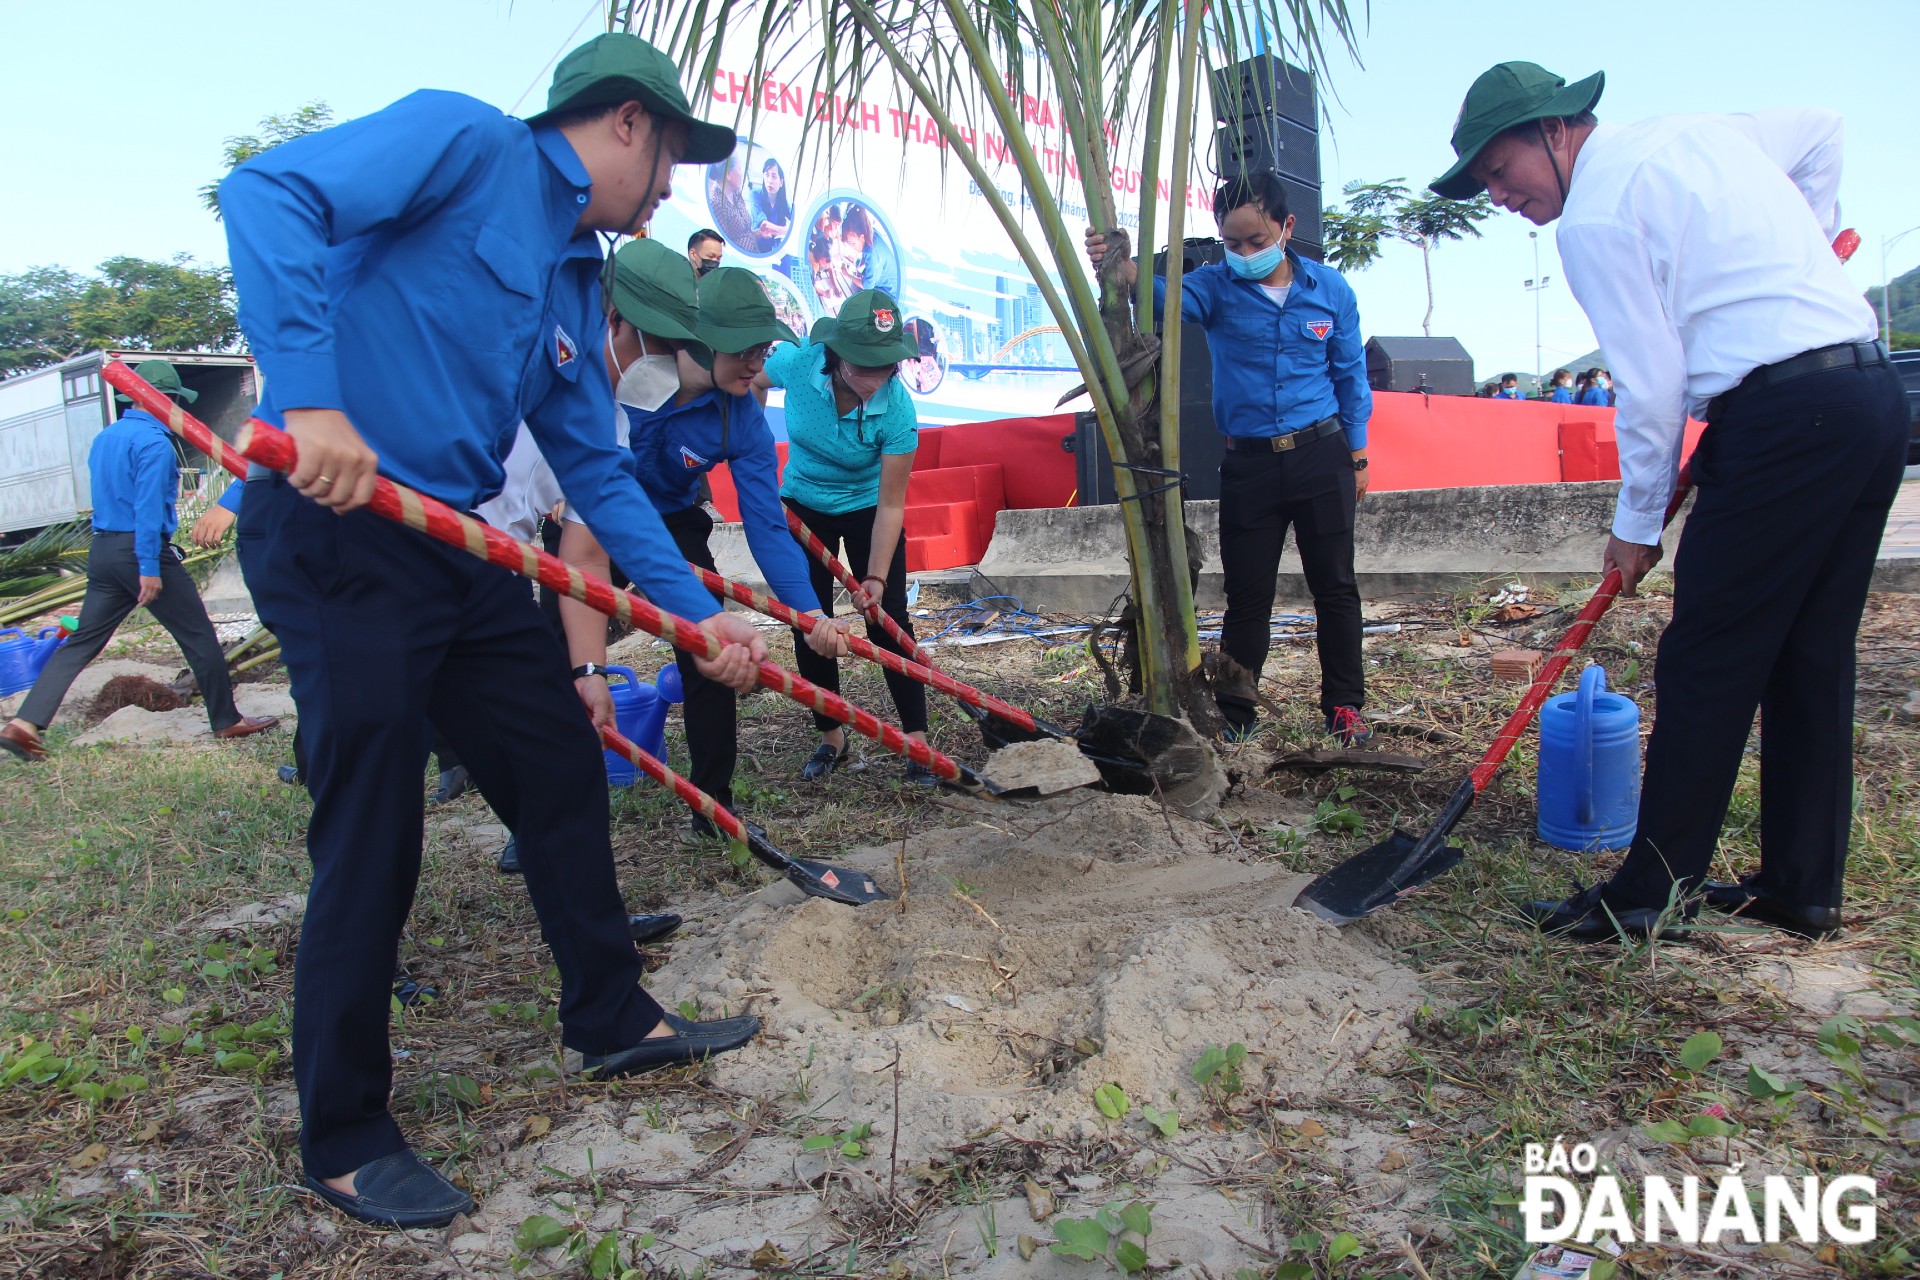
286 208
1612 278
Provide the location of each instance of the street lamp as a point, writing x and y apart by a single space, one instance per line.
1535 286
1886 287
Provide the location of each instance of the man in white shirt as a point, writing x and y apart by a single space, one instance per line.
1699 248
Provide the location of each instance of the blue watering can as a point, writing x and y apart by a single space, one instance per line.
640 713
23 657
1589 777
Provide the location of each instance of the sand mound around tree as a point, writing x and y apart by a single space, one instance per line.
1036 955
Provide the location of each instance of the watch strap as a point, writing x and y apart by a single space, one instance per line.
586 669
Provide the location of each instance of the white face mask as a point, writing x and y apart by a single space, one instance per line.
648 382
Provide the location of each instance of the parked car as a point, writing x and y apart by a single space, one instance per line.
1907 363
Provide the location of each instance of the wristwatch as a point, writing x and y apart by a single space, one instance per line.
586 669
1360 464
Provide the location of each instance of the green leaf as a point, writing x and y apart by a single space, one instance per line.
1080 1238
1710 1127
852 1150
690 1010
93 1094
1763 1084
1112 1101
818 1142
1138 1218
603 1260
1212 1059
1305 1242
1293 1271
1167 1122
1108 1216
1129 1257
1667 1131
1342 1246
1699 1050
1603 1269
540 1232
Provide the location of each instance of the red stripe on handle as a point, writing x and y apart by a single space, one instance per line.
806 622
1571 643
872 610
271 447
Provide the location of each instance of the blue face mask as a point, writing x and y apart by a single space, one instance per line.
1256 266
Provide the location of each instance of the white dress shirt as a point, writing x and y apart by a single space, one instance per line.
529 491
1699 247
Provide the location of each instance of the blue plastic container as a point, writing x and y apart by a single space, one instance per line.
18 667
49 639
1589 779
641 714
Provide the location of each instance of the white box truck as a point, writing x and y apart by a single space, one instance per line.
48 419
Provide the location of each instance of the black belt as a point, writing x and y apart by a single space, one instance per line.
1841 355
1280 444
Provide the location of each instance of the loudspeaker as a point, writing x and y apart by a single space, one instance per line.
1265 85
1262 144
1440 366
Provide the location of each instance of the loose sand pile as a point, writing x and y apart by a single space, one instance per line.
1037 954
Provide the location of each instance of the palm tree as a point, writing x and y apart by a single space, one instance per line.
1377 210
1126 74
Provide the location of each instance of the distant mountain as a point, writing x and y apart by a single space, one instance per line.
1905 312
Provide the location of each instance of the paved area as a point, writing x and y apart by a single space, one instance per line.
1902 538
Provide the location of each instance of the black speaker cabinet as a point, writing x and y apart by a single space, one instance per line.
1265 85
1440 366
1261 144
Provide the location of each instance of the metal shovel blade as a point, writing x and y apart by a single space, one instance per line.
1143 753
815 879
1370 880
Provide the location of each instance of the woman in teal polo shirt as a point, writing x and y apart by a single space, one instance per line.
851 437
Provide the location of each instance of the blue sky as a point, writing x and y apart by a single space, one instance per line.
116 112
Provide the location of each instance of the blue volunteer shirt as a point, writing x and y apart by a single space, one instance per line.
1278 369
135 476
1595 396
676 444
1562 395
419 270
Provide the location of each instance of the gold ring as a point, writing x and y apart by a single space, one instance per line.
324 479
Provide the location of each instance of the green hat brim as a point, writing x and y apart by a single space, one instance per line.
185 393
707 143
826 333
735 338
1457 184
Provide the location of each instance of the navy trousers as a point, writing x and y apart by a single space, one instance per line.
382 631
1793 487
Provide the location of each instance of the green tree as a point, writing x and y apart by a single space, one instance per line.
1377 211
50 314
1127 77
274 130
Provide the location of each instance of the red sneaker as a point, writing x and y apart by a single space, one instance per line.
1345 724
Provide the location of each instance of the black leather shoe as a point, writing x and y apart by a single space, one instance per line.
289 774
918 775
397 1191
509 863
1746 901
821 764
645 929
1584 918
691 1042
698 830
454 783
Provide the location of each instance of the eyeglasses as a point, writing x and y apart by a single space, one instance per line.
755 355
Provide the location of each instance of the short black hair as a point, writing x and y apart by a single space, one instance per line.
1505 378
1261 190
703 235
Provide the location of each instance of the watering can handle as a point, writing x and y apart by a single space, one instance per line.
1593 680
626 673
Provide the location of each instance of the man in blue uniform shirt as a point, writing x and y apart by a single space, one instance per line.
1290 392
414 284
131 563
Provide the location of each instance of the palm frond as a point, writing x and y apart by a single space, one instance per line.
53 553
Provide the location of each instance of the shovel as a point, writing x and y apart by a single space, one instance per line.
273 448
816 879
1137 752
1371 880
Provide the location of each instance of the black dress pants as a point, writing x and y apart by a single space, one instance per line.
1793 487
709 707
113 592
853 531
383 631
1310 488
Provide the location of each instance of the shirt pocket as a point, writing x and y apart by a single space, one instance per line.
498 310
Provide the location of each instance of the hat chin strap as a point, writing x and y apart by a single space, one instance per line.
1558 177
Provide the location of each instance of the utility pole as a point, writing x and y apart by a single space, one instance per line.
1536 286
1886 286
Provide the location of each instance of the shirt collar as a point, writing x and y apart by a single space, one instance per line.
672 409
569 186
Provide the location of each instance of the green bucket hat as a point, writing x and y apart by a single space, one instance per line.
735 312
164 378
653 290
868 331
1510 94
617 67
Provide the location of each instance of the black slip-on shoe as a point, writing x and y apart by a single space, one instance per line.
692 1042
398 1190
454 783
411 993
290 774
683 1025
918 775
645 929
509 863
1585 918
821 764
1745 900
699 831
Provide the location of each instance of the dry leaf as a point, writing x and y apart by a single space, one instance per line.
769 1258
1087 1046
1028 1247
712 1140
1311 1129
148 1131
91 1155
1040 1201
1394 1160
537 1126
